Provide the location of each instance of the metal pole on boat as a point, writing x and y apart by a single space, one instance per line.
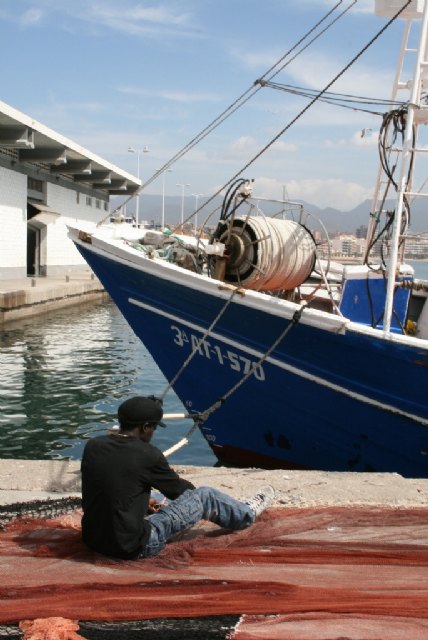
378 201
413 104
137 204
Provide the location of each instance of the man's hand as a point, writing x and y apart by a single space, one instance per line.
154 506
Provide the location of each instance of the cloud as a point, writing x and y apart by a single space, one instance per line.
328 193
242 145
31 17
360 138
140 19
282 146
157 15
126 17
315 70
174 96
322 193
256 60
248 145
362 6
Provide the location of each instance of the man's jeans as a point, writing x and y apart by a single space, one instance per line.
204 503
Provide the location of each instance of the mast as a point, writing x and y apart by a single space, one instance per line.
416 114
406 157
383 184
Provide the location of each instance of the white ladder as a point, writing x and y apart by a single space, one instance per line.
405 156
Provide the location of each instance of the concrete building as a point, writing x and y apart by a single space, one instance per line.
348 245
47 180
417 247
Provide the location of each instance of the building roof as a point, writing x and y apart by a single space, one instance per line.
36 143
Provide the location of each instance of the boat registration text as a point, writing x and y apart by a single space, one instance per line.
206 349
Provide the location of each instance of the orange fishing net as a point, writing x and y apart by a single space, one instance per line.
49 629
298 573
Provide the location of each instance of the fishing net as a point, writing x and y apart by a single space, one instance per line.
298 573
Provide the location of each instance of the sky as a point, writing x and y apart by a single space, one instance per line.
114 74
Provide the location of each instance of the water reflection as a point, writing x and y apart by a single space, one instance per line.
62 377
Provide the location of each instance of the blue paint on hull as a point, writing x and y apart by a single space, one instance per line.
278 419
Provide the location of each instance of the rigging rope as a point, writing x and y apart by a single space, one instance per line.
336 99
218 403
238 102
244 97
204 415
317 97
200 342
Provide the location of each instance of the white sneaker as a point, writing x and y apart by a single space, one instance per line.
261 500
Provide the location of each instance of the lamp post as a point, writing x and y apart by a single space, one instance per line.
196 196
183 186
163 196
138 152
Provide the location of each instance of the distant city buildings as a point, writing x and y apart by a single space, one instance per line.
417 247
353 246
348 245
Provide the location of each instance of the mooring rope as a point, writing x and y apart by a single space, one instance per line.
182 443
204 415
220 401
200 342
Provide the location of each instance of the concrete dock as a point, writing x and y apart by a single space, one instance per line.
24 480
25 297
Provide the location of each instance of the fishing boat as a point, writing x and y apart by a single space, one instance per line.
283 358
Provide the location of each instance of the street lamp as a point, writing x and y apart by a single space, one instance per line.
196 196
163 196
183 186
138 152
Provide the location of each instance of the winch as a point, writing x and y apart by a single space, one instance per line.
267 254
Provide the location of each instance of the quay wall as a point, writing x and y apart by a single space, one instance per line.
25 297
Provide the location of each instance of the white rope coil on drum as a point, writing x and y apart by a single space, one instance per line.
267 254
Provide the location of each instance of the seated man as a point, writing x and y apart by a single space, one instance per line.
118 472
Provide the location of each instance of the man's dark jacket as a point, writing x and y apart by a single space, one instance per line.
117 476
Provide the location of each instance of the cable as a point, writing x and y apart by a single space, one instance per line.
204 415
308 106
393 126
345 101
236 104
244 97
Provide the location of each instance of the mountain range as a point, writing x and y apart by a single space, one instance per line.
335 220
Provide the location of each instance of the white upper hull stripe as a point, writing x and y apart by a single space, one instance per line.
282 365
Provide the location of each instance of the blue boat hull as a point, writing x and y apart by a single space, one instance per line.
321 400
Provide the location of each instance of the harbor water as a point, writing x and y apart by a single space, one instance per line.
63 375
